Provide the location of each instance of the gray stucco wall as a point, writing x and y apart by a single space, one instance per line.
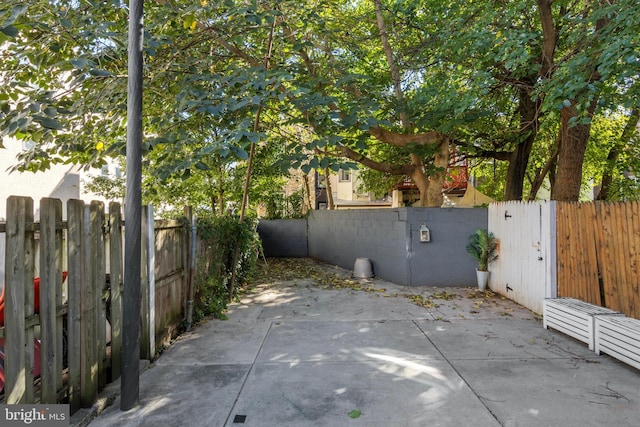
340 237
390 239
444 261
284 238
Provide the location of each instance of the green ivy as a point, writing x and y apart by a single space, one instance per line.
218 238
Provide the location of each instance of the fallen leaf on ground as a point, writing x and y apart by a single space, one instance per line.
355 413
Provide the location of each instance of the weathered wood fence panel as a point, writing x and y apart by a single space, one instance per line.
19 302
71 319
115 285
51 350
599 254
170 276
74 307
578 232
145 309
75 249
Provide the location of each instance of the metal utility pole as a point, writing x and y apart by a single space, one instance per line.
130 362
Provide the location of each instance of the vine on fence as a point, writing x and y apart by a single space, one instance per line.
218 237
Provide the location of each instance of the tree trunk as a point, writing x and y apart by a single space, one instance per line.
213 204
430 187
330 205
393 67
247 182
435 198
572 138
519 158
542 173
221 201
307 189
422 182
572 146
518 162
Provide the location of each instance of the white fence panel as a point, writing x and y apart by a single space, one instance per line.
525 270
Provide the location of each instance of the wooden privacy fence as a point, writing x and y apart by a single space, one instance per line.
68 325
599 254
585 250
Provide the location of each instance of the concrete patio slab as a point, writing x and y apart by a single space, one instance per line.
390 392
217 343
323 341
555 392
298 353
501 338
302 300
180 395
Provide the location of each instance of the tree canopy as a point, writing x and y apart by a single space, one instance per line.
394 86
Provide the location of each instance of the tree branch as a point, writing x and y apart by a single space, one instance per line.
402 140
549 36
372 164
393 67
542 173
233 48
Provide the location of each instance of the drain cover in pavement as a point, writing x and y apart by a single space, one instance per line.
239 419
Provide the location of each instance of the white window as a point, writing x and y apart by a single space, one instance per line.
344 175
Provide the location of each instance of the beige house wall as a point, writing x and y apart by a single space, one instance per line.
62 182
347 190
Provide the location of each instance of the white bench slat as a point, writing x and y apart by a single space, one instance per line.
618 337
574 318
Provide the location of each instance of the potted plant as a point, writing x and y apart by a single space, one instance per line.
483 247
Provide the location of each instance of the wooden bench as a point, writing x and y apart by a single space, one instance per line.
574 318
618 337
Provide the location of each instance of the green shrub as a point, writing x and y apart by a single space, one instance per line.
218 238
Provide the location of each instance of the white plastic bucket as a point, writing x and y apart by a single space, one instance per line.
362 268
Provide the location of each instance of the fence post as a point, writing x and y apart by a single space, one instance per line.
50 298
151 269
75 282
550 225
89 380
189 263
19 262
144 285
115 280
98 281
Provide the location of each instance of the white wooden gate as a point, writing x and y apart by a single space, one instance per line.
526 269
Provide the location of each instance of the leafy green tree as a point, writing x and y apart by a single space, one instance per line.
109 187
389 85
531 69
618 165
590 57
64 79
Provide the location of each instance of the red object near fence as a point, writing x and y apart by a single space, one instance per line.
36 343
36 297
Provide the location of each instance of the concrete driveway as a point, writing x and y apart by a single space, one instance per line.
294 353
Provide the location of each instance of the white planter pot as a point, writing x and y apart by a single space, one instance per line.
362 268
483 279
